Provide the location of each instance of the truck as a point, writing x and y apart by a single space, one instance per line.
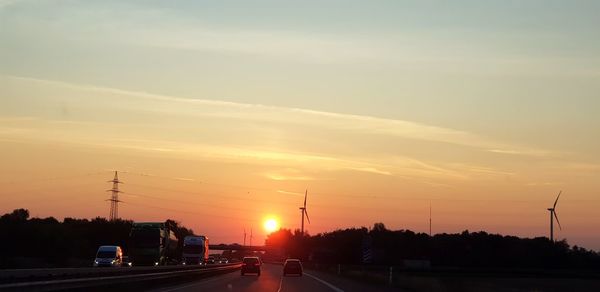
152 244
195 250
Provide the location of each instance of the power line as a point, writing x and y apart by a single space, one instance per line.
369 196
190 212
186 202
343 195
114 200
34 189
160 176
30 180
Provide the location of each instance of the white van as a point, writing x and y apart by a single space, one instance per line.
109 256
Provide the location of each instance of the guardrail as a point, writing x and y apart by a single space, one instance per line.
103 278
440 278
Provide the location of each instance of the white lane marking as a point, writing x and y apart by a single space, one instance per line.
280 284
334 288
191 285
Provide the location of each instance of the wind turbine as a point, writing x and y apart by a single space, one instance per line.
303 210
554 216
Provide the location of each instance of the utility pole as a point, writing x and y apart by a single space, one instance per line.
114 199
250 236
429 219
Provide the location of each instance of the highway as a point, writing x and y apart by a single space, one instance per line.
271 279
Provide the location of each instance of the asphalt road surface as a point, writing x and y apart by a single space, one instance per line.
271 279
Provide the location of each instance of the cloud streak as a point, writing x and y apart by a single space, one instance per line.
339 121
253 134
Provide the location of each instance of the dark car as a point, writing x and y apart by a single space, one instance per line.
251 265
126 262
292 267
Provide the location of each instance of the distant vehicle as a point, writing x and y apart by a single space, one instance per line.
195 250
250 265
152 244
108 256
126 262
210 260
292 267
223 261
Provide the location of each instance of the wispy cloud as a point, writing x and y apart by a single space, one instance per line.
272 43
288 174
7 3
290 193
524 152
372 170
538 184
480 169
278 176
167 127
340 121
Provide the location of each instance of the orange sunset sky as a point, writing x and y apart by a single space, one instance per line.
221 115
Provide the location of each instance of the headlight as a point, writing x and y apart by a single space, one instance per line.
156 263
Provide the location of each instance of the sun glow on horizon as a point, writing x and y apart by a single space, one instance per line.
271 225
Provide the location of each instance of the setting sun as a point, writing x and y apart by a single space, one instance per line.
271 225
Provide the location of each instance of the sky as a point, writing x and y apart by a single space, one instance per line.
222 114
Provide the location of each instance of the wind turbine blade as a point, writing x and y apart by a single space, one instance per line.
557 199
556 217
305 194
306 213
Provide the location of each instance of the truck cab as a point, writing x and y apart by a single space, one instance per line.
109 256
195 250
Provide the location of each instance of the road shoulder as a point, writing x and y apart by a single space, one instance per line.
348 285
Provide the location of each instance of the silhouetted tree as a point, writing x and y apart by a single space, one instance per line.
379 227
18 215
47 242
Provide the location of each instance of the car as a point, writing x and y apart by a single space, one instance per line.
292 267
210 260
109 256
126 262
250 265
223 261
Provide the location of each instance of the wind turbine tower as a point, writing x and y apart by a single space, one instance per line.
553 216
304 212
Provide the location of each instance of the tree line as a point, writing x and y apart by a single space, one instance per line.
47 242
379 245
